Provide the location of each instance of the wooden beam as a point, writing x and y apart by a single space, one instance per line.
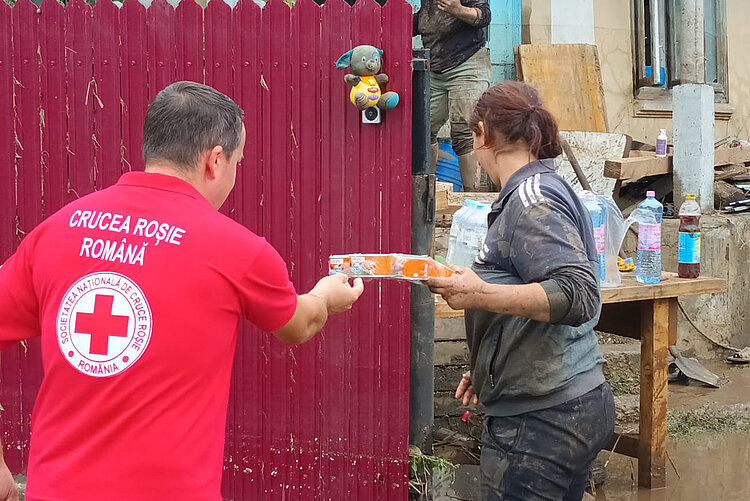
637 167
625 444
670 286
729 156
652 446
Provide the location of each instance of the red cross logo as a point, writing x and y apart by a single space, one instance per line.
101 325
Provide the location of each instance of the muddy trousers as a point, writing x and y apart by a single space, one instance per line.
546 455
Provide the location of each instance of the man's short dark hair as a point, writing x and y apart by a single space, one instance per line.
186 119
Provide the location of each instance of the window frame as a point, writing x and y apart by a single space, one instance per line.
656 102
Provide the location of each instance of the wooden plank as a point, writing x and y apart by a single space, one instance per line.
625 444
728 156
622 319
637 167
731 171
592 150
670 286
569 80
652 446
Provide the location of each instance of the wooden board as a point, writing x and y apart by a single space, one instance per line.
728 156
670 286
630 290
645 164
592 150
569 80
637 167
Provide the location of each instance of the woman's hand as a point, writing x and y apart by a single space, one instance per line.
465 390
461 290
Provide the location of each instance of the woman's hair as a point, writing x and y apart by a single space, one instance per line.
512 114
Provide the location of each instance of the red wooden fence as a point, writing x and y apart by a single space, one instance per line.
326 420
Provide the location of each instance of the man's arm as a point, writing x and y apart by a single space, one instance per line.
474 12
330 296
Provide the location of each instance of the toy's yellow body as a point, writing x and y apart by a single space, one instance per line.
370 88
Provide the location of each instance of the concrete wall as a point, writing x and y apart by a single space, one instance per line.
725 253
613 28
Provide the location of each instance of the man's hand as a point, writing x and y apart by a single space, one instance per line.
465 391
8 489
469 15
461 290
336 292
450 6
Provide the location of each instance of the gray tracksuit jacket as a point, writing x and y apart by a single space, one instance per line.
539 231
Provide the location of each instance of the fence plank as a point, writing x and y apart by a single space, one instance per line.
26 74
367 30
106 93
218 16
10 391
396 216
55 115
161 46
245 422
133 83
335 348
189 41
78 64
306 257
277 229
219 46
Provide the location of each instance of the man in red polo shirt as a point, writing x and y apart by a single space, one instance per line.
136 291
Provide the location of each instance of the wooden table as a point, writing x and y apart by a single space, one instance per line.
648 313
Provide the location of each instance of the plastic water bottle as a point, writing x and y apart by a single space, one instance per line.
598 212
457 224
461 257
648 259
689 259
476 231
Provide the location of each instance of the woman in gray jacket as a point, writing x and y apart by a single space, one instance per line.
532 300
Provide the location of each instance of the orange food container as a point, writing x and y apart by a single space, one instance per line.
396 266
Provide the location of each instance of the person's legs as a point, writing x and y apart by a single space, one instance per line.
545 455
466 84
438 111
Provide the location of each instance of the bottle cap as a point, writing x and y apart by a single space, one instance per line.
664 131
689 197
650 193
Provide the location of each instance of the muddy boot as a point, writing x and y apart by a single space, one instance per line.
470 172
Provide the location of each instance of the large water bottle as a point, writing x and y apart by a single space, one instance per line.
459 221
477 233
598 212
648 260
472 238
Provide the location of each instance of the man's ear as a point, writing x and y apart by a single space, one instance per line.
211 162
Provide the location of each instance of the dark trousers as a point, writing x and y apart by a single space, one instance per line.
546 455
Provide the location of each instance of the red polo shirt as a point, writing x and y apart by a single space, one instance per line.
136 291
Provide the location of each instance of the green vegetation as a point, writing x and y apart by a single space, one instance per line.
623 385
682 424
421 467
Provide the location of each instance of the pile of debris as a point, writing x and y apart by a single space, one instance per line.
643 171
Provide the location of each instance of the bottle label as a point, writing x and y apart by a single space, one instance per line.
690 248
600 237
649 237
661 148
